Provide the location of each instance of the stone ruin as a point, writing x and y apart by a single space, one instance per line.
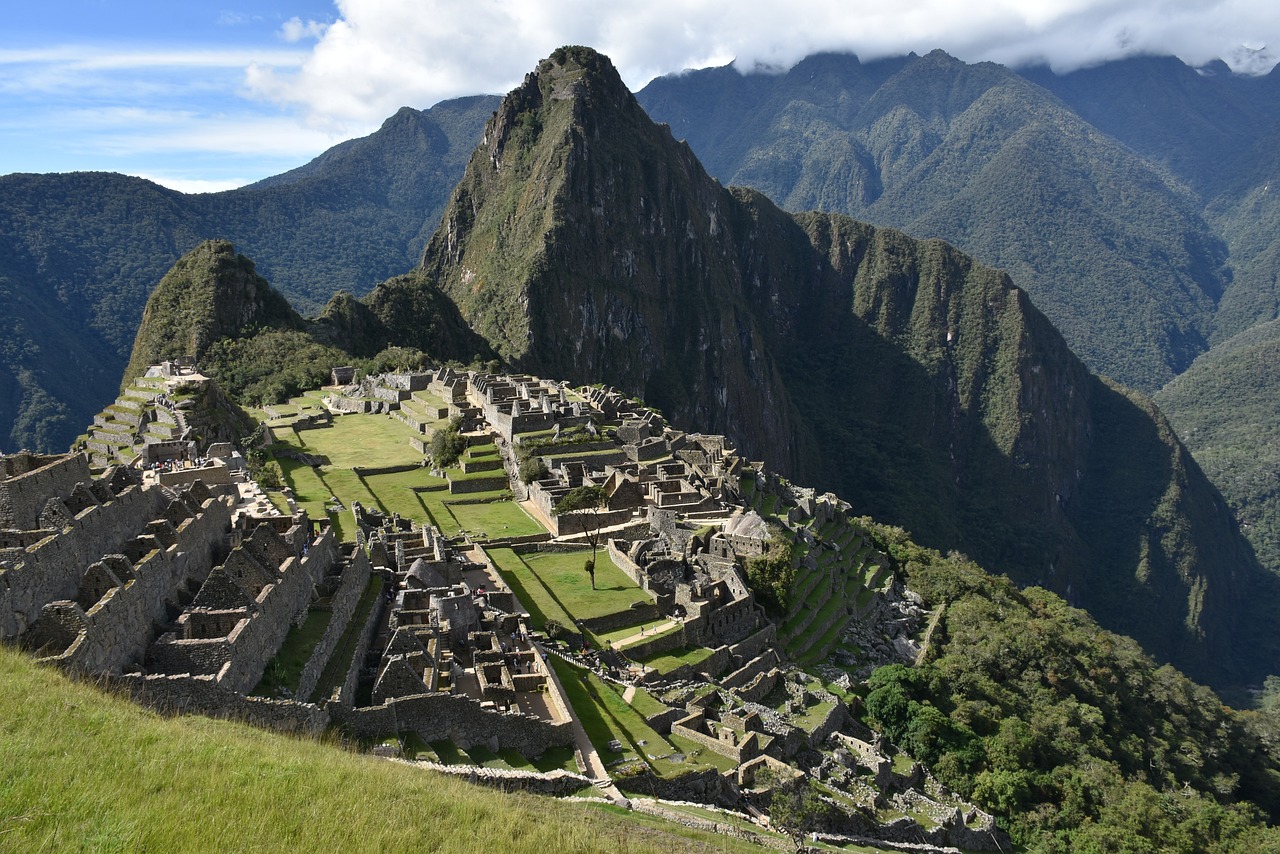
453 658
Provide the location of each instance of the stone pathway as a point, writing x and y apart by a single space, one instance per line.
588 759
648 633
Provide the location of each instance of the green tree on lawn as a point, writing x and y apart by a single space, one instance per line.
590 500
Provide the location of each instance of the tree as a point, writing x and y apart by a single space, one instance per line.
796 807
447 444
590 500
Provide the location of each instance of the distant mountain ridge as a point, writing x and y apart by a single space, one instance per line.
1115 252
83 250
79 253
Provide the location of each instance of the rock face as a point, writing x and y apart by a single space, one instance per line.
585 242
1112 249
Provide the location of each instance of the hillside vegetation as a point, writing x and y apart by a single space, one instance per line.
1070 731
80 253
1224 408
1114 251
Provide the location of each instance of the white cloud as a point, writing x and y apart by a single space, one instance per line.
382 54
295 30
193 185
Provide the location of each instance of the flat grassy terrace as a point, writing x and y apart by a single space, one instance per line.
280 679
606 717
376 441
554 586
668 661
371 441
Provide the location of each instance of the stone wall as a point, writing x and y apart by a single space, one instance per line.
52 569
347 693
204 696
753 645
25 489
355 578
465 486
254 640
748 748
215 475
556 783
461 720
703 787
119 625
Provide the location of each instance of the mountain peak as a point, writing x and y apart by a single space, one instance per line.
209 294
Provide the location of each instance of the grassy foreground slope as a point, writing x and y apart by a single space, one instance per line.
83 770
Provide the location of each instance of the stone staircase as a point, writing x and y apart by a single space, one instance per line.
139 416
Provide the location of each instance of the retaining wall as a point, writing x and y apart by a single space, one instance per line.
437 716
355 578
51 569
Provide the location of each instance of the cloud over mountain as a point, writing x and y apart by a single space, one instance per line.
381 54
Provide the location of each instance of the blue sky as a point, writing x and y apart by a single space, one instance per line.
210 94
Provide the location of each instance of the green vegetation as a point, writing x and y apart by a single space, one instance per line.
1224 409
590 501
1068 732
665 662
448 444
606 717
84 770
977 156
281 676
770 576
553 586
340 662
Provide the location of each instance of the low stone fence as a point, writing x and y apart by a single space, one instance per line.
363 471
556 783
184 694
477 484
708 786
463 721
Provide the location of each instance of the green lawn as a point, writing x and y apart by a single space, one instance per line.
371 441
495 519
668 661
542 606
562 574
280 679
645 703
627 631
374 441
606 716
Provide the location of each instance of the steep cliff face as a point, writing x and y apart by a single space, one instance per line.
210 293
585 242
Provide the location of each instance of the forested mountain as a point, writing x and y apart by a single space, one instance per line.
1224 407
1111 248
585 242
79 253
